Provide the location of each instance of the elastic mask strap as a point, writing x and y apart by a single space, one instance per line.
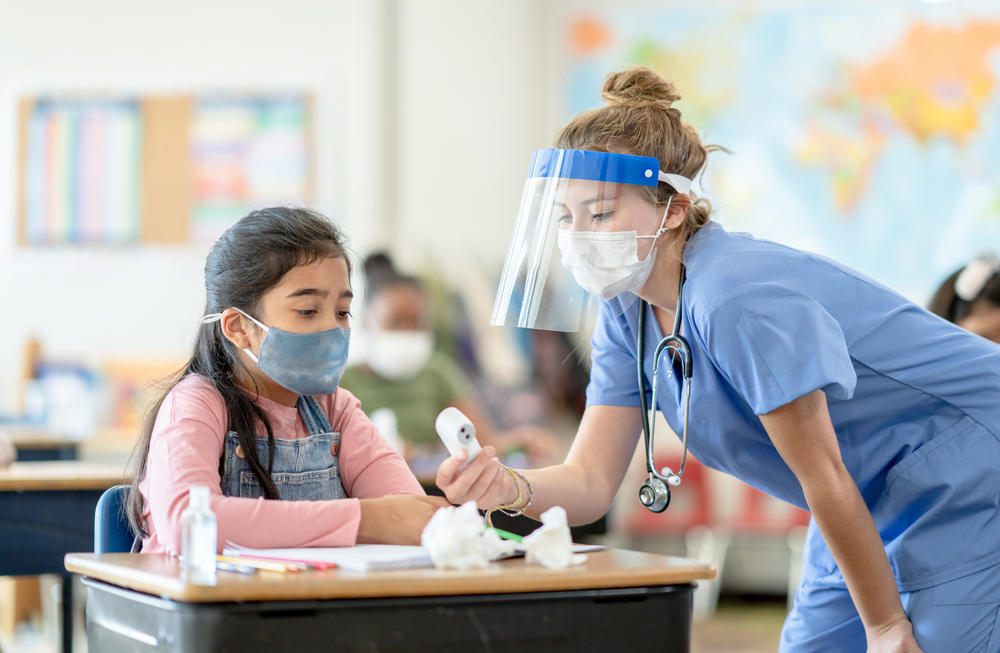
662 230
215 317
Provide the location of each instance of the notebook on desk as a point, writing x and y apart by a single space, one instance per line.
361 557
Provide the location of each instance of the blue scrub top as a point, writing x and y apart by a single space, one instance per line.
914 400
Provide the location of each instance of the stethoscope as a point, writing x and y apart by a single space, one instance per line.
655 491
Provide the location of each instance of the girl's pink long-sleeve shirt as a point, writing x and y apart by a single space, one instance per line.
187 443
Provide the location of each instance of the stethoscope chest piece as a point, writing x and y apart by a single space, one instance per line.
654 494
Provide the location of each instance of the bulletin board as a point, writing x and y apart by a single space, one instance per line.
157 169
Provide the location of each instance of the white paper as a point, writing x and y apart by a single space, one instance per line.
361 557
373 557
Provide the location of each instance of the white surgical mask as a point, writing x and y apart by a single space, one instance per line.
399 355
606 264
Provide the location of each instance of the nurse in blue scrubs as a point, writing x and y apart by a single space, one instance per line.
808 381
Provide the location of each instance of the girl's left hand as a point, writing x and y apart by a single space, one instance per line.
896 637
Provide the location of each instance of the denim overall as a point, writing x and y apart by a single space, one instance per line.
305 469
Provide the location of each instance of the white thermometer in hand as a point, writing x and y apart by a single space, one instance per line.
457 432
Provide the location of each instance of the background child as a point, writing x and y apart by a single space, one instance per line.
256 413
406 374
970 297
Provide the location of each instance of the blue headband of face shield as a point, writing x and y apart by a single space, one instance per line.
608 167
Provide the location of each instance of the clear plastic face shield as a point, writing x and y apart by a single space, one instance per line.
585 229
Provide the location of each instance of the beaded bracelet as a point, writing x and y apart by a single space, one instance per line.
504 507
531 494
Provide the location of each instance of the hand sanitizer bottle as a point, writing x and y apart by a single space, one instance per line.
198 539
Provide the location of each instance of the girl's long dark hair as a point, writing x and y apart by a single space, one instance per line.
249 259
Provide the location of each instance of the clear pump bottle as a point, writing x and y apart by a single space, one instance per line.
198 538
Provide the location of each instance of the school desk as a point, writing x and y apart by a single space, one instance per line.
616 600
46 511
33 443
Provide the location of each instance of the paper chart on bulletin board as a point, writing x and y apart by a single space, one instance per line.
81 179
246 153
160 169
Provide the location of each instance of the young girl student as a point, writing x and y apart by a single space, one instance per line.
256 414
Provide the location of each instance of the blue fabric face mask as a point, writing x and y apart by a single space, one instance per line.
305 363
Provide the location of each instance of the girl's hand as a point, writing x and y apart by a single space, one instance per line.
396 518
484 480
895 637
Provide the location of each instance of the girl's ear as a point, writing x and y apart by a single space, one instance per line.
235 328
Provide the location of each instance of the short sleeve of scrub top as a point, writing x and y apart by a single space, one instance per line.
775 344
613 375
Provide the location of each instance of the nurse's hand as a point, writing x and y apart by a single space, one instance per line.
484 480
896 637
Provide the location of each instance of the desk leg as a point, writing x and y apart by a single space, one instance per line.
67 612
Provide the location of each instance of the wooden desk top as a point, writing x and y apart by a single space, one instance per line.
160 574
36 438
59 475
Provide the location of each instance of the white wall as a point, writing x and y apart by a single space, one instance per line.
472 104
427 115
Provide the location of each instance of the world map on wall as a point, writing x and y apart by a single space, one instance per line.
869 134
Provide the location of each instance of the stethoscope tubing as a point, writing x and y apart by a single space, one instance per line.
676 344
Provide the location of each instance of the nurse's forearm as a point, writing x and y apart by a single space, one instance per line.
567 485
849 532
587 482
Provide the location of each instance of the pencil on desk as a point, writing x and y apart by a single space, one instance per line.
222 565
506 535
317 564
263 565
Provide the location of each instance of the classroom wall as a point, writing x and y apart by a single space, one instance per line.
471 110
408 94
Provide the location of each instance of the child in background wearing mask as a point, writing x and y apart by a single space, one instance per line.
970 297
257 415
404 382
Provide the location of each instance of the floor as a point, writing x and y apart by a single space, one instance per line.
740 626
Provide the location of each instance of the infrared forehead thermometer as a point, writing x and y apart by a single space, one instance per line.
457 433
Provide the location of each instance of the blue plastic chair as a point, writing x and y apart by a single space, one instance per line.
112 532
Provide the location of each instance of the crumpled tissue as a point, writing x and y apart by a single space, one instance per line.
458 538
551 544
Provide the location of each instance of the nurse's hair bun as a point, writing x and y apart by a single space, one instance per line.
638 86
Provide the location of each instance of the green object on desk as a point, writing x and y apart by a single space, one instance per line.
506 535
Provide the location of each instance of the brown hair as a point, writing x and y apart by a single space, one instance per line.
639 118
953 308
